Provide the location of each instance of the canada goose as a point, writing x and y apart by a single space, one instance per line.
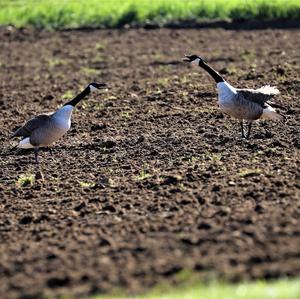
45 129
243 104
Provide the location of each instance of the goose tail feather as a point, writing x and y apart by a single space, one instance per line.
267 89
270 113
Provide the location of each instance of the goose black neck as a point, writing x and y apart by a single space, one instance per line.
79 97
215 75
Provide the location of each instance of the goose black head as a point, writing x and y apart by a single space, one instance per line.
194 59
94 86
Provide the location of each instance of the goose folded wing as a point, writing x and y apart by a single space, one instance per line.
260 96
34 123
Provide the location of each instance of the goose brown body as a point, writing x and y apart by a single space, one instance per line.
43 130
246 104
48 133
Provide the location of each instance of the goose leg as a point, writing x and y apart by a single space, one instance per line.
36 151
249 130
242 128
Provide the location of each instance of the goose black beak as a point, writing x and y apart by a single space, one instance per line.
102 86
188 58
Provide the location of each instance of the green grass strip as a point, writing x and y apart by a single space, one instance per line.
281 289
58 14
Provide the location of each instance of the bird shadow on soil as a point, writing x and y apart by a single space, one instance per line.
52 152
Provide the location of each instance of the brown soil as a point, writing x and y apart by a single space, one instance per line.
152 178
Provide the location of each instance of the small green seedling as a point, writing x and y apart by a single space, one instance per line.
86 184
67 95
143 175
26 180
246 172
90 71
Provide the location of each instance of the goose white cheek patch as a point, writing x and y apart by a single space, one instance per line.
92 88
196 62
